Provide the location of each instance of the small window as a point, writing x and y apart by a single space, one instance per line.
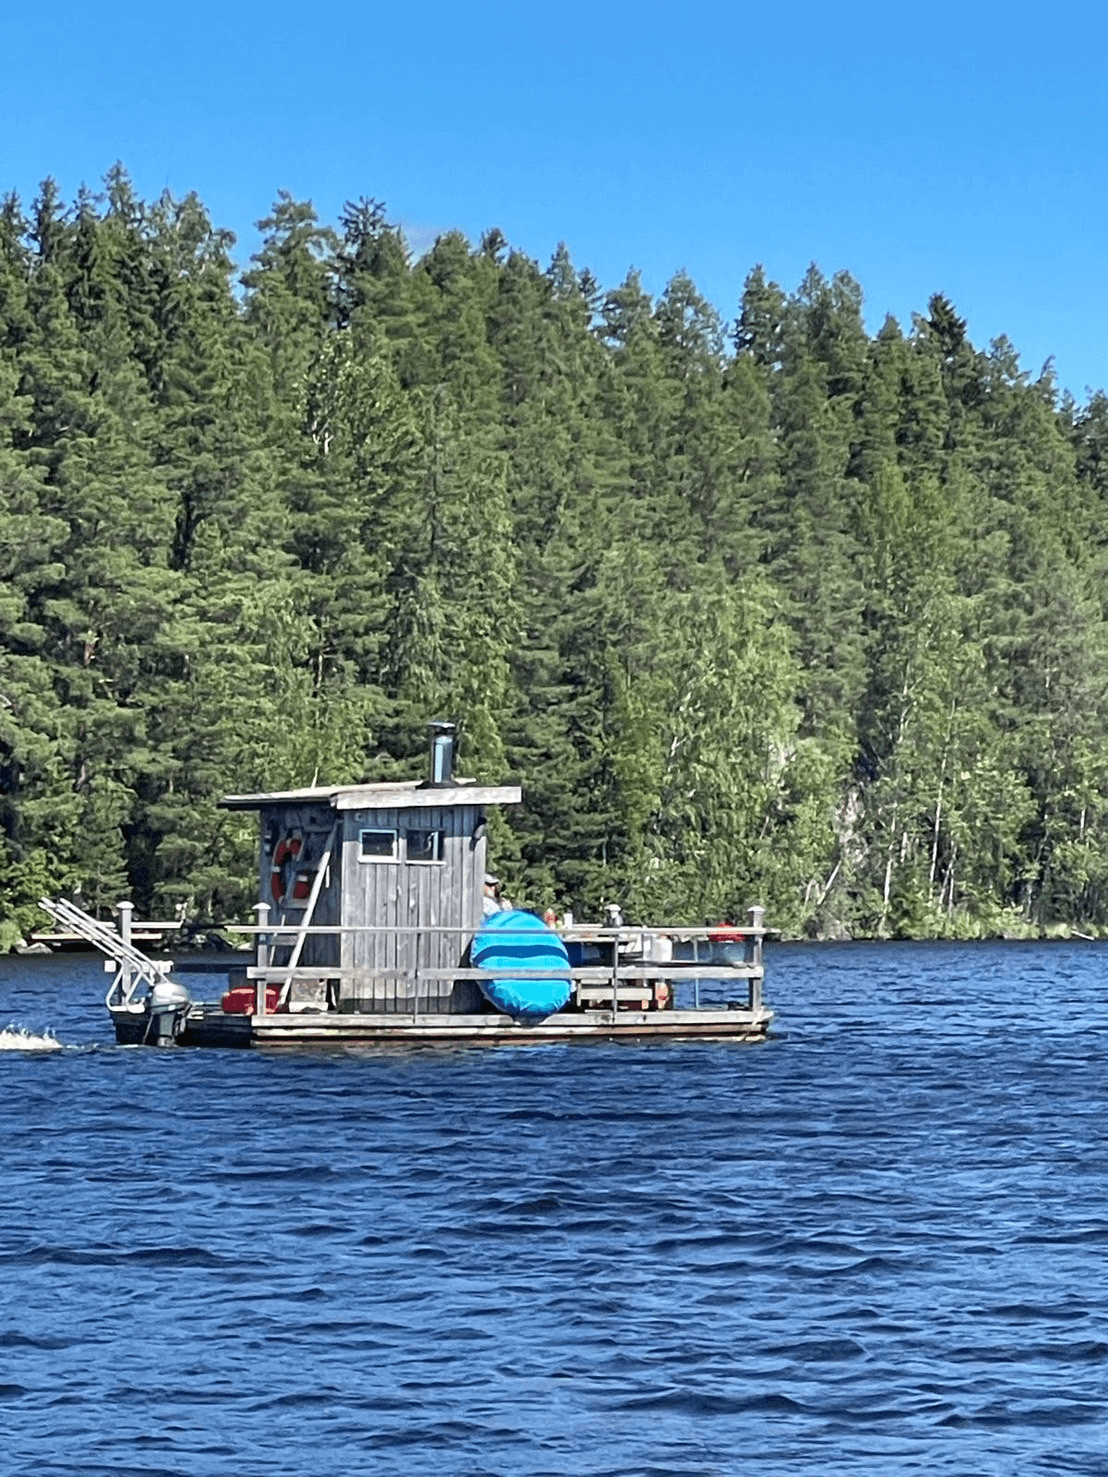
424 846
378 845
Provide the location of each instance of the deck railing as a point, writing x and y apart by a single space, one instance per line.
631 959
638 957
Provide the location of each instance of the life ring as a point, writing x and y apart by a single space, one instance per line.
282 876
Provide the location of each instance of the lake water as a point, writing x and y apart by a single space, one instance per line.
876 1243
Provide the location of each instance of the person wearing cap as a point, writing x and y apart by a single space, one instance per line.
493 901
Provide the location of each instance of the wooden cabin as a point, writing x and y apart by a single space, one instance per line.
362 885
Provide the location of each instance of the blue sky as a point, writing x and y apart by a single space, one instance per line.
949 147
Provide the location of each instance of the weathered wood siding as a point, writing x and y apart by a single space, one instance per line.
444 898
416 914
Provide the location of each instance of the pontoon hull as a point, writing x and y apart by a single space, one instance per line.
208 1025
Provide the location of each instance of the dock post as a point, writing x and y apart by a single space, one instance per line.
262 911
754 954
124 910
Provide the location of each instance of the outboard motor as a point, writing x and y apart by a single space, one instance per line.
169 1004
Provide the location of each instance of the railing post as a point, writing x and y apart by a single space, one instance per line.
124 910
754 954
262 960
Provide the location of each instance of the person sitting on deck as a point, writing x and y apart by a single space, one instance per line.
493 901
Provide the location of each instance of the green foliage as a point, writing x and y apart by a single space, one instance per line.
811 618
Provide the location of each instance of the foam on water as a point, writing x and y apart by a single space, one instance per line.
18 1038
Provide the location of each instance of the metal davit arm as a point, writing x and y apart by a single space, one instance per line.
133 968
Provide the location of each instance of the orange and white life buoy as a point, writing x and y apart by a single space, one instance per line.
283 875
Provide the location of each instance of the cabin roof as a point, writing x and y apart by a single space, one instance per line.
398 795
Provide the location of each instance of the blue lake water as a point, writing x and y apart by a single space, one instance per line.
876 1243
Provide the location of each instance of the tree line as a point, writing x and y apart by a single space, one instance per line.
772 609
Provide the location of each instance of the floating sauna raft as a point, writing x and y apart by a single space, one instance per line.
370 898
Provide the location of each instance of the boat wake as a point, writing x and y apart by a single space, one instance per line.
18 1038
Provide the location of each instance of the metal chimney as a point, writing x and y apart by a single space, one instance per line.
442 752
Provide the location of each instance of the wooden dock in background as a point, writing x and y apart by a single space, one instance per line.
144 933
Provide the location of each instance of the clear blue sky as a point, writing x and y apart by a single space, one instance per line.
943 147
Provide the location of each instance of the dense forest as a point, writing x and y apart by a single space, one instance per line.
770 609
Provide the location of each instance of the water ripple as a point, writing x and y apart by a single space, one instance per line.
872 1246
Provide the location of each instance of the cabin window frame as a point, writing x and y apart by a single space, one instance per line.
393 855
438 833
